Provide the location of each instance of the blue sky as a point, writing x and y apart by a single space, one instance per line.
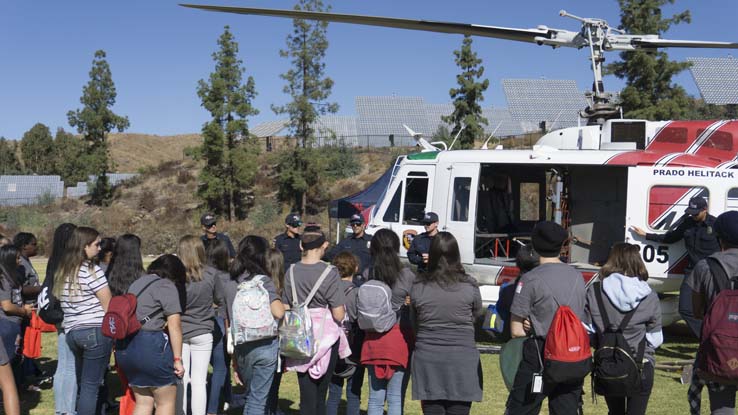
158 51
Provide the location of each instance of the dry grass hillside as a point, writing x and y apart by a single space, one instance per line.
132 152
161 205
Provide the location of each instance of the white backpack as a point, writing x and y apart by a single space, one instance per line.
375 307
252 313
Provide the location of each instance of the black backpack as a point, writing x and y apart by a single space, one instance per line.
49 307
617 370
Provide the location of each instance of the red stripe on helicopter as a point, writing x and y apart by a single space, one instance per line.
721 144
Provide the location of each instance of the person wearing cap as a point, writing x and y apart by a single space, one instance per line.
538 295
210 227
419 248
705 289
696 228
288 242
358 243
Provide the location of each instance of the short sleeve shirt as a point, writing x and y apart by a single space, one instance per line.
329 294
351 292
9 292
162 295
82 308
541 290
700 279
230 288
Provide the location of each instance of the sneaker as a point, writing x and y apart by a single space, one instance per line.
33 388
45 380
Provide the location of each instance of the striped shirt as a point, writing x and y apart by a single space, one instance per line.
81 307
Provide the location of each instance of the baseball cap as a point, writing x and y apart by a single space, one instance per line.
696 205
429 217
293 219
356 218
207 219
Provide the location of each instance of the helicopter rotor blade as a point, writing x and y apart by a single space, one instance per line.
521 35
666 43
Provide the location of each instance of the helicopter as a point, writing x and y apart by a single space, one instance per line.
597 180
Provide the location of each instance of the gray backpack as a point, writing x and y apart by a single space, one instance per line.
375 307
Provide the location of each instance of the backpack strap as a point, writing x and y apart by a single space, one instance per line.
601 304
155 313
322 278
295 301
722 281
623 323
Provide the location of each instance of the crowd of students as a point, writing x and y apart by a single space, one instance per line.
201 307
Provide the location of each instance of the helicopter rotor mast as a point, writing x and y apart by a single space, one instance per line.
595 34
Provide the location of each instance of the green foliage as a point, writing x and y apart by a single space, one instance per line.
9 163
340 162
95 120
228 149
70 158
264 213
699 110
467 97
309 88
442 134
37 150
650 93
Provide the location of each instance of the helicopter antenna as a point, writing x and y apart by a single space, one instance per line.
484 146
422 142
455 138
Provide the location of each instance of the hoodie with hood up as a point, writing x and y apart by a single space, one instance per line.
621 295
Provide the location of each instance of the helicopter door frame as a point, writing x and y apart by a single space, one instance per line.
461 207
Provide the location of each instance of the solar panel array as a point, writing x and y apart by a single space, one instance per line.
269 128
555 101
716 78
26 190
385 115
336 127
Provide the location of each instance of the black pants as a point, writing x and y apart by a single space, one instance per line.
563 399
273 399
444 407
313 392
635 404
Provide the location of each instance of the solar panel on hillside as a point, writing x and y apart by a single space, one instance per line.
434 112
716 79
269 128
555 101
25 190
385 115
502 124
77 191
341 128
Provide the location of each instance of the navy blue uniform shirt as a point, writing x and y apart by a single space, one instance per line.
699 238
420 245
357 246
289 247
223 237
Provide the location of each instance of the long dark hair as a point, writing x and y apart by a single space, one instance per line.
9 265
444 262
126 265
21 239
217 255
625 259
275 268
62 235
171 268
106 245
251 257
384 249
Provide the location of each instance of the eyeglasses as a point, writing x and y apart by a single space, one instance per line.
354 225
210 226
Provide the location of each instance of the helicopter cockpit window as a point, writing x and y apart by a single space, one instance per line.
393 210
732 202
666 204
720 140
460 208
629 132
416 192
530 194
674 135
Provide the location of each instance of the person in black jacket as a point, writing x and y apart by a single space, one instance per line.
419 248
210 229
700 239
358 243
288 242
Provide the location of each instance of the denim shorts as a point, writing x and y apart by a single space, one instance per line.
146 359
9 331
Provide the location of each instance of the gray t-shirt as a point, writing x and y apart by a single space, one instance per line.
8 292
329 293
402 286
223 278
539 290
161 295
198 316
230 288
351 293
700 279
445 315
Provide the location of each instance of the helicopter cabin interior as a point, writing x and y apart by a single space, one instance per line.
511 199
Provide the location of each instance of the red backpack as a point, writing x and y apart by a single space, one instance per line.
120 320
717 356
566 355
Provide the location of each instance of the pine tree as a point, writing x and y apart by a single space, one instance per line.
309 88
95 120
9 163
650 92
467 97
37 150
229 151
70 161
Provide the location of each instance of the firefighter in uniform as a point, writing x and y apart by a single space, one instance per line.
358 243
696 229
288 242
419 248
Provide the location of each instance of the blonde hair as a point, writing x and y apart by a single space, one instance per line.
72 259
191 252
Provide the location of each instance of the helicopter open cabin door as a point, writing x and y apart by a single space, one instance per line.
461 209
657 199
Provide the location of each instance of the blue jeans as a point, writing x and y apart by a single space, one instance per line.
9 331
65 378
91 357
393 390
353 393
221 378
257 362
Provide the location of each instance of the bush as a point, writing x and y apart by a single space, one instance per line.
264 214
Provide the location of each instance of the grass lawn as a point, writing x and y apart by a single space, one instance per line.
669 395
